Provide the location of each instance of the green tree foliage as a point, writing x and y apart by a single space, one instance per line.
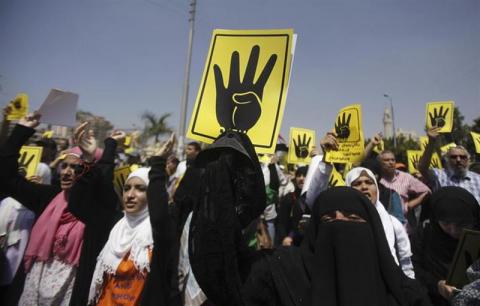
154 126
403 144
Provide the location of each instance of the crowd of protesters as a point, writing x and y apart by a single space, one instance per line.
222 228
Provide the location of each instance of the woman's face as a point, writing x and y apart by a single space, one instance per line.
338 215
366 185
134 195
452 229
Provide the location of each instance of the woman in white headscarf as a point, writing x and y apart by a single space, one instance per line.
364 180
124 262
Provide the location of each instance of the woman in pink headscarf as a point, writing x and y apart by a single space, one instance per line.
53 253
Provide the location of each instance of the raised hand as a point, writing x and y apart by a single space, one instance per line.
30 120
438 119
85 140
342 126
166 149
23 163
118 136
433 133
238 106
301 146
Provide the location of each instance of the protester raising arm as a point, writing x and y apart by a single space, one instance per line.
157 289
375 141
94 201
424 163
34 196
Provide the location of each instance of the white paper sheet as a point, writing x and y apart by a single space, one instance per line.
59 108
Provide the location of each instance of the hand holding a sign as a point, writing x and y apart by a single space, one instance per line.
30 120
86 141
238 106
329 142
433 134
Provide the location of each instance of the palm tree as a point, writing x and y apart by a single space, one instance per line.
155 126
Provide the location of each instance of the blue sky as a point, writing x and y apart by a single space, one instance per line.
127 56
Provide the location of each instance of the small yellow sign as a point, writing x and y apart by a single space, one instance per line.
119 178
440 114
300 145
348 127
414 158
47 134
423 141
244 86
476 141
18 107
446 147
128 141
335 179
30 157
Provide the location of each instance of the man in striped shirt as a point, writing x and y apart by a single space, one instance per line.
411 190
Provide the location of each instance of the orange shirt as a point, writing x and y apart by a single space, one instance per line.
124 287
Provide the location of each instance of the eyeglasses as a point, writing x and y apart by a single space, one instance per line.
462 157
77 168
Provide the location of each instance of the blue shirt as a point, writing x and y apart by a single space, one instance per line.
470 182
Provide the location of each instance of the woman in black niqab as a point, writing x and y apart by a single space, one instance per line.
433 247
349 260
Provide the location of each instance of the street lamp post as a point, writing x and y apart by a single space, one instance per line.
393 120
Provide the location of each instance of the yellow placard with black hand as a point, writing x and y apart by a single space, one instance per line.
119 178
445 148
300 145
244 86
335 179
414 158
18 107
423 141
476 141
29 159
348 127
346 169
440 114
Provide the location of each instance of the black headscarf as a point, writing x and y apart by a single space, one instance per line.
448 204
232 195
350 262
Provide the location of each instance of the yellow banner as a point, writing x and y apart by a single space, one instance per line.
300 145
348 127
244 86
476 141
29 159
18 107
47 134
414 158
119 178
335 179
440 114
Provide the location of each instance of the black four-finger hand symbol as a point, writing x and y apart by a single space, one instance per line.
301 146
435 163
238 106
332 182
23 163
342 126
438 119
120 182
415 160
